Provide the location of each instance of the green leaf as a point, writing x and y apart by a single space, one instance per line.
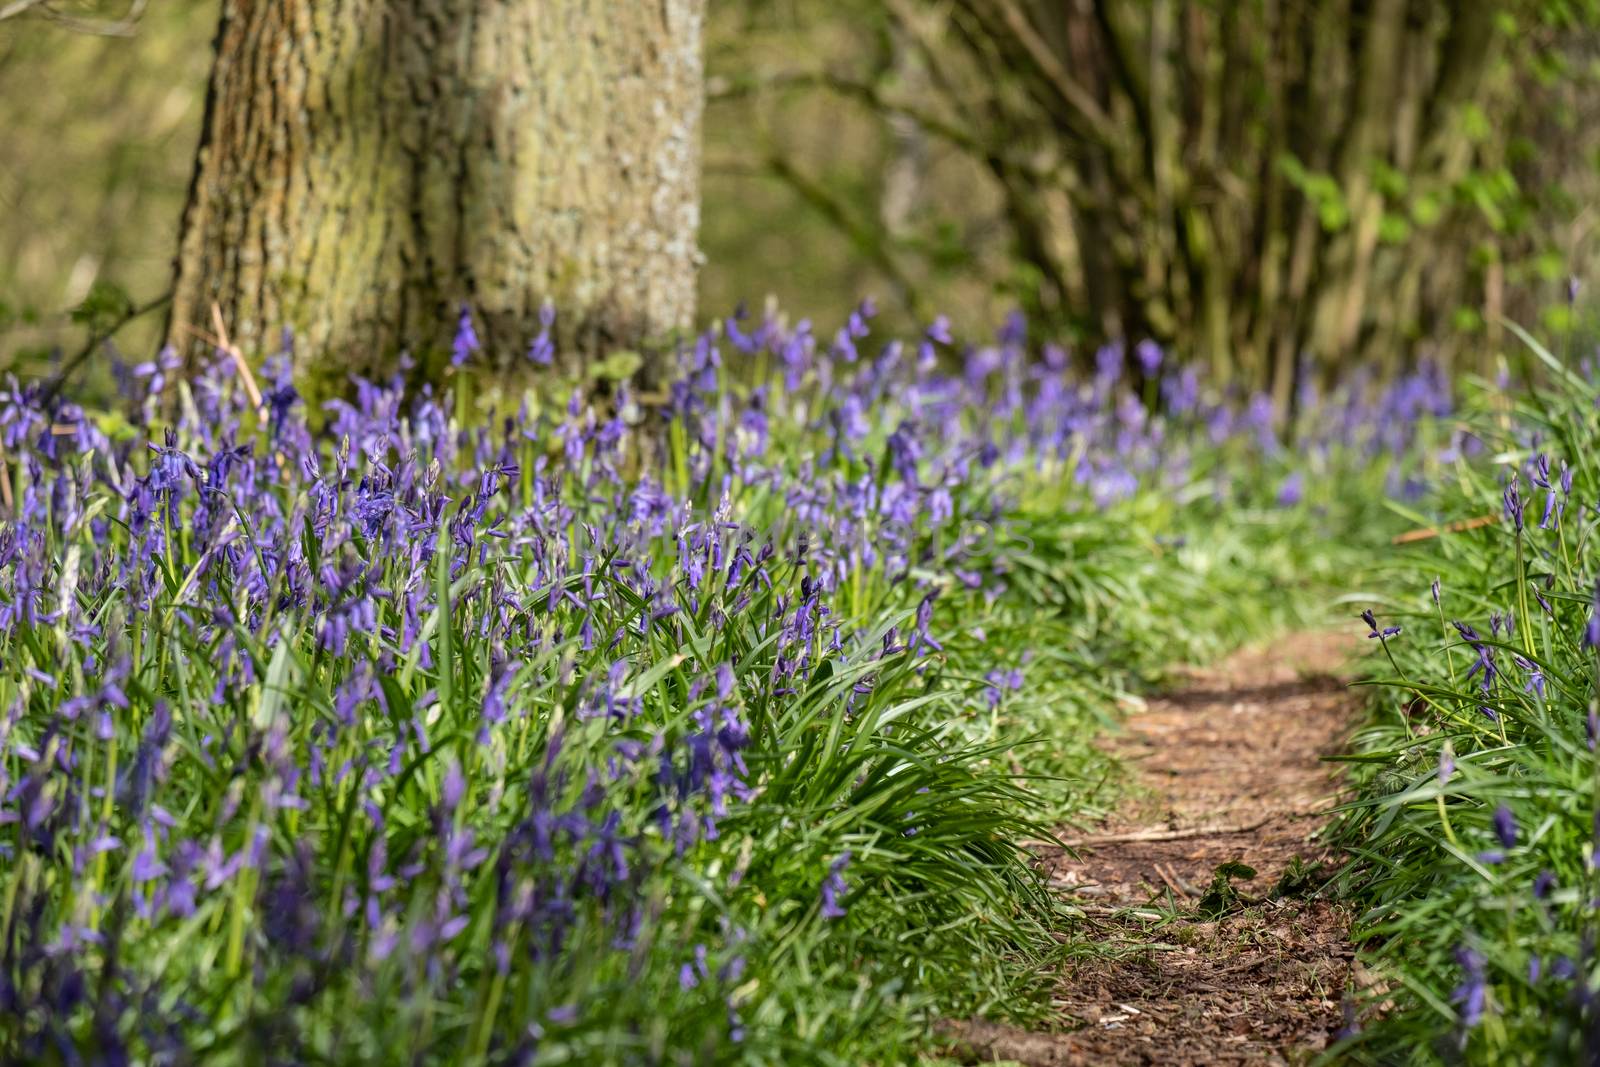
1222 896
106 305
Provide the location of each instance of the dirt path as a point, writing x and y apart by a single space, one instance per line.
1230 765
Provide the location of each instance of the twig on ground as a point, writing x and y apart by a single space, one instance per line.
1160 835
5 478
236 355
1172 882
1429 532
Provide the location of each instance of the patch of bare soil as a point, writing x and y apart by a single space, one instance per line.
1248 969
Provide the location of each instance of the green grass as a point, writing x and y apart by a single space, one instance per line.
290 772
1485 934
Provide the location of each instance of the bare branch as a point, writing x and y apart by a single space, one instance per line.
1081 108
725 90
18 7
865 237
71 366
44 9
860 91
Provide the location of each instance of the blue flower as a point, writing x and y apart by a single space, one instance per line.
466 339
1505 826
834 888
1591 632
1372 622
1471 996
1512 504
1148 354
543 349
1292 491
1485 663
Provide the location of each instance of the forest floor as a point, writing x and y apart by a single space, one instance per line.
1192 968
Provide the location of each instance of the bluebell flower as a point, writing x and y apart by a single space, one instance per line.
466 339
1591 631
1512 503
1535 677
1013 329
690 975
1292 491
1505 826
1485 664
543 349
1471 996
1372 622
1148 355
834 888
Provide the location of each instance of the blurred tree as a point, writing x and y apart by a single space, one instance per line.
99 100
1229 173
1253 181
368 168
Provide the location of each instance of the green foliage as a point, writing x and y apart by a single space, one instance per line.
1222 897
1476 835
106 306
352 814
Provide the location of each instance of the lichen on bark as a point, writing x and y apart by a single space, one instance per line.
367 167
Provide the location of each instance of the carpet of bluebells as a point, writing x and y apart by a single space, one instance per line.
1478 840
581 724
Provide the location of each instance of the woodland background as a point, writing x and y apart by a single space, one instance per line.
1275 187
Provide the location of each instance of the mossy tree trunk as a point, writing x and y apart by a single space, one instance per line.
368 167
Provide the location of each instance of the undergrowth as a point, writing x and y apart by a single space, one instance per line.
1475 839
554 727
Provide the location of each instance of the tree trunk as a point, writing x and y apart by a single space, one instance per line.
368 167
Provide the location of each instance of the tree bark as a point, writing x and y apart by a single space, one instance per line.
369 167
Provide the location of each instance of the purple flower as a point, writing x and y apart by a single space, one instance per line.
147 866
999 682
1148 355
1591 632
1485 663
834 888
1471 995
1549 510
1512 503
1534 682
1505 826
454 786
1372 622
1292 491
466 339
924 620
543 349
690 975
1108 360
